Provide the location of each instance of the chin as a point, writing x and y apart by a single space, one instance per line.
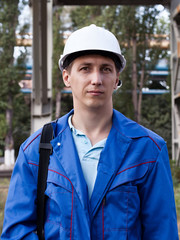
96 106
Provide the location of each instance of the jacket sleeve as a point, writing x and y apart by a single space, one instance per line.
158 212
20 208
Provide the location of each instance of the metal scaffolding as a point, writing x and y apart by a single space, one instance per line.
175 82
41 109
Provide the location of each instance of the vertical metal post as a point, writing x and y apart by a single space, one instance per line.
42 63
175 79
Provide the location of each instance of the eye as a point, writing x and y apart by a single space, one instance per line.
106 69
84 69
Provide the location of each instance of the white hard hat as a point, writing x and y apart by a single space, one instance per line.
92 39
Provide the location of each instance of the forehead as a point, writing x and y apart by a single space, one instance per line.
94 59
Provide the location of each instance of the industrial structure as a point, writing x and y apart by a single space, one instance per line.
175 79
42 57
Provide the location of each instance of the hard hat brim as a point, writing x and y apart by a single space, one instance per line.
118 59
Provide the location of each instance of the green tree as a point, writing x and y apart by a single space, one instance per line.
156 115
85 15
134 28
58 44
10 73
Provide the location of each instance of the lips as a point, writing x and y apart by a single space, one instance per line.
95 92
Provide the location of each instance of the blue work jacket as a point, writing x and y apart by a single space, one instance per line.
132 199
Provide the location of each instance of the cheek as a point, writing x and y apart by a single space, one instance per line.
113 85
77 87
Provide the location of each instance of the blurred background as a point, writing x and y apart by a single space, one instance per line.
32 37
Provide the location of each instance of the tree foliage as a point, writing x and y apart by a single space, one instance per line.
58 45
156 115
11 72
135 27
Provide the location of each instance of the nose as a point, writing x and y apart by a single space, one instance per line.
96 78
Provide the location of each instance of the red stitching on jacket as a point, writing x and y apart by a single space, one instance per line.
136 166
35 164
72 193
72 199
31 141
146 135
155 142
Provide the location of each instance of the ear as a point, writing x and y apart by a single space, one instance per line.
66 78
117 81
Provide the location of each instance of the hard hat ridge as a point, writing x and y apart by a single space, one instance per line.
92 39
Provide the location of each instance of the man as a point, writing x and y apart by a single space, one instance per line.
108 177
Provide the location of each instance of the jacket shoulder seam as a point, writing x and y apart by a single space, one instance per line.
155 143
31 142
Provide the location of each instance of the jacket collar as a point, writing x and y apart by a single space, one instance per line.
61 124
127 127
121 123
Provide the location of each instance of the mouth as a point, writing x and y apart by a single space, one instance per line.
95 92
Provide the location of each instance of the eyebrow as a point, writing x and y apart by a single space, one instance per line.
102 65
107 65
85 63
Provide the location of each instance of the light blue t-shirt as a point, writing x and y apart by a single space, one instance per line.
89 155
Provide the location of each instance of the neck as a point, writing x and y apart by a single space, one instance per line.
96 124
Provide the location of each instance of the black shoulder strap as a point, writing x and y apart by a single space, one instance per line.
45 149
